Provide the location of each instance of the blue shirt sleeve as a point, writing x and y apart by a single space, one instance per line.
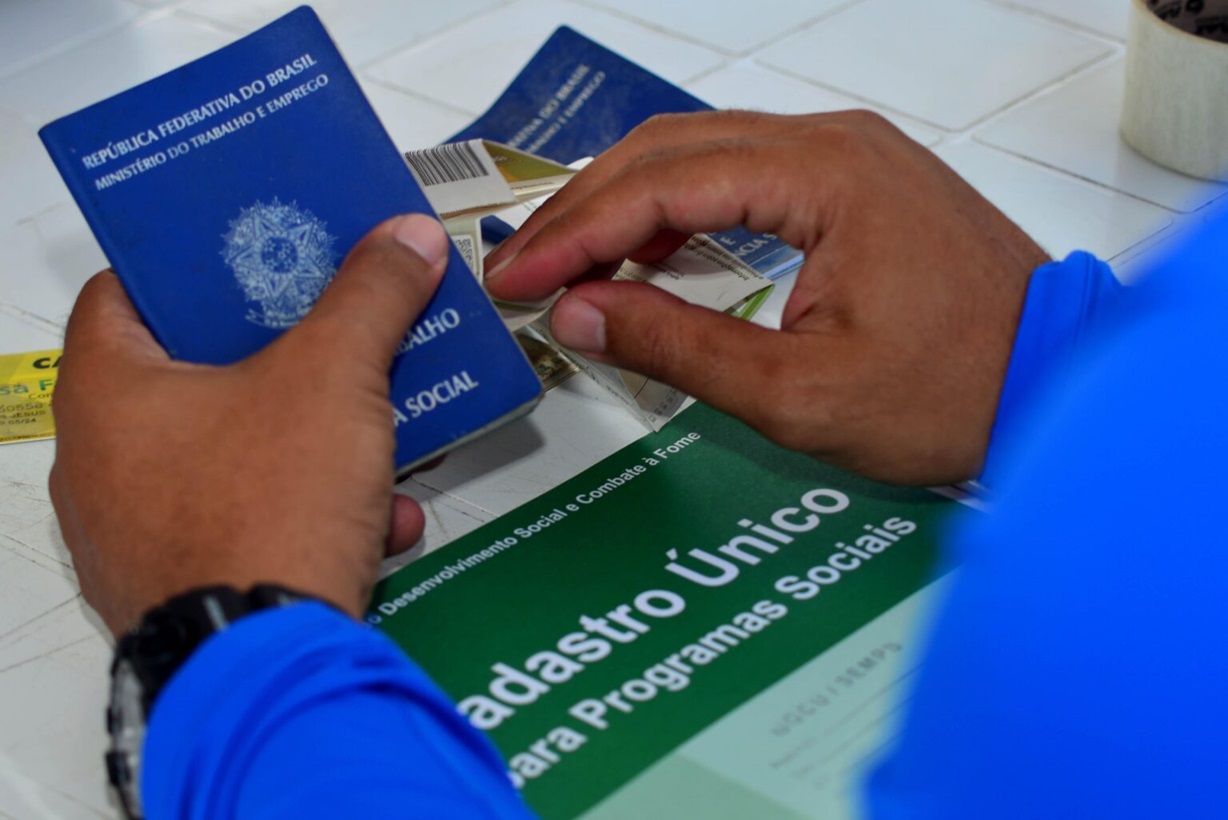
1066 302
302 712
1077 667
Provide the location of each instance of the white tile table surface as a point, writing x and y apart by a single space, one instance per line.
948 62
1020 96
1073 128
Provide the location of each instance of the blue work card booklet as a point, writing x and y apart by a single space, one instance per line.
576 98
225 194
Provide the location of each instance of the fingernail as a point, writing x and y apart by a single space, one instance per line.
579 325
498 269
424 236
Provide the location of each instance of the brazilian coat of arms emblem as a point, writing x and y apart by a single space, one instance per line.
282 257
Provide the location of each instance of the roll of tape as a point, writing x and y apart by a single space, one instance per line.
1176 106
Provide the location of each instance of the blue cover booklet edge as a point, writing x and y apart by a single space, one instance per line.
575 98
168 224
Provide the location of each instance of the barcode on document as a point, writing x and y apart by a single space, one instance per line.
446 163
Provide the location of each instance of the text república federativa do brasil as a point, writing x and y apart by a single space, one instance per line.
168 128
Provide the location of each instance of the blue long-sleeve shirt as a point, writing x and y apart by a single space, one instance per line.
1075 672
1078 668
303 712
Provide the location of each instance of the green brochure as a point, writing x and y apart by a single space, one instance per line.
703 624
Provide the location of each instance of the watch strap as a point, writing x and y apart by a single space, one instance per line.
168 634
148 656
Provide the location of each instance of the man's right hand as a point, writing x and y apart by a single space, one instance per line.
895 341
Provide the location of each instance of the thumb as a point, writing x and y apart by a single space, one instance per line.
714 357
384 283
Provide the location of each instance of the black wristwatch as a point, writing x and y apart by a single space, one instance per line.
147 657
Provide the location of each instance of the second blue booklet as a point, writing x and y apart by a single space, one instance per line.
576 98
226 193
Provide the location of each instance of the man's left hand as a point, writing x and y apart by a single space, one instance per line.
277 469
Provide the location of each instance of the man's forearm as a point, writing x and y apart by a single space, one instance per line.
302 711
1066 302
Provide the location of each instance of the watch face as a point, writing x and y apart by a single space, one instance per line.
126 724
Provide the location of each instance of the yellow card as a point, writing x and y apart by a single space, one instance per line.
26 383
